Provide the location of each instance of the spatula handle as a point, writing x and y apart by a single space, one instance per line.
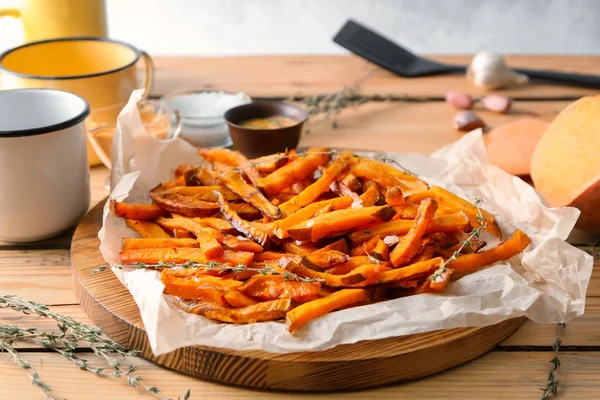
582 80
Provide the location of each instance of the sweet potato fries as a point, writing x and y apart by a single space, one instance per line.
298 235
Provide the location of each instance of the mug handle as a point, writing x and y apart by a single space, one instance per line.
148 74
10 12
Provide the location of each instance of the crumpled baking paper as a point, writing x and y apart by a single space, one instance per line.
546 284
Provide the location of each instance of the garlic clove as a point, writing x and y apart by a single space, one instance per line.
467 121
488 70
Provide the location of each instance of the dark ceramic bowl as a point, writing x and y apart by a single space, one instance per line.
261 142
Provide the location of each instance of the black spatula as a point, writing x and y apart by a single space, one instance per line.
379 50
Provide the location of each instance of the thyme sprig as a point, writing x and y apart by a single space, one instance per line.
475 233
64 342
213 266
551 388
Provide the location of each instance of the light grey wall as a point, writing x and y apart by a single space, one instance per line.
227 27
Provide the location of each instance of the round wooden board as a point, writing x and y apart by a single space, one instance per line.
354 366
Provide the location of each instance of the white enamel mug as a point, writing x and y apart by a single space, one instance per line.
44 177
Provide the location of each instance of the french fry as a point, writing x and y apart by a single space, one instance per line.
260 312
304 214
406 211
503 252
252 232
350 265
381 251
147 243
213 222
180 255
386 175
339 245
146 212
204 193
295 171
181 204
307 312
351 181
231 158
210 239
234 182
272 287
146 229
242 244
410 244
182 234
207 176
321 185
325 259
455 203
300 248
185 175
207 288
238 299
338 222
274 256
362 274
394 196
366 248
410 272
268 164
445 223
370 197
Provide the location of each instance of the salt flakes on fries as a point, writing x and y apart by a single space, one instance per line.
297 236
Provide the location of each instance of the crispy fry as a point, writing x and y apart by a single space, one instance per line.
180 255
146 229
363 274
386 175
350 265
351 181
306 312
410 272
204 193
208 288
210 239
242 244
300 248
213 222
237 299
444 223
381 251
370 197
321 185
339 245
455 203
406 211
234 182
394 196
231 158
182 234
145 212
504 251
281 226
146 243
325 259
338 222
268 164
274 256
295 171
185 175
252 232
207 176
180 204
410 244
271 287
260 312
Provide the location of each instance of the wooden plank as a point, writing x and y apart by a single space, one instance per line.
39 275
497 375
288 75
408 127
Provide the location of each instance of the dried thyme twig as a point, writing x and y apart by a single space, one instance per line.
551 388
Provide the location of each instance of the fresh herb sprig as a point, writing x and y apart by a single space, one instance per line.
213 266
551 388
64 342
475 233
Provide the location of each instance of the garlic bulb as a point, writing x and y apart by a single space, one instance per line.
489 71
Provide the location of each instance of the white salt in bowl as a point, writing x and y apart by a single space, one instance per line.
203 124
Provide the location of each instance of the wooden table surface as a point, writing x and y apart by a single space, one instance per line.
416 120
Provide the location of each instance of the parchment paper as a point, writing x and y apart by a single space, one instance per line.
547 284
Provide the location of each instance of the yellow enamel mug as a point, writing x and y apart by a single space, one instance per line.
50 19
102 71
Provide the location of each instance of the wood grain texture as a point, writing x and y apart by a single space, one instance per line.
290 75
356 366
494 376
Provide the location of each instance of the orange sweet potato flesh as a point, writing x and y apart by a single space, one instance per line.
182 234
565 167
268 164
184 175
250 231
363 274
207 176
304 214
409 272
147 229
231 158
510 145
307 312
259 312
339 222
351 264
149 243
208 238
272 287
339 245
295 171
394 196
320 186
381 251
453 202
386 175
207 288
273 256
215 223
325 259
204 193
180 255
242 244
410 245
234 182
370 197
300 248
445 223
180 204
238 299
504 251
145 212
366 248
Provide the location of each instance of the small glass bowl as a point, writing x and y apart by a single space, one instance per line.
203 123
158 119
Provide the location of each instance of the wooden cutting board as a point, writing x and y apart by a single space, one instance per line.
345 367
